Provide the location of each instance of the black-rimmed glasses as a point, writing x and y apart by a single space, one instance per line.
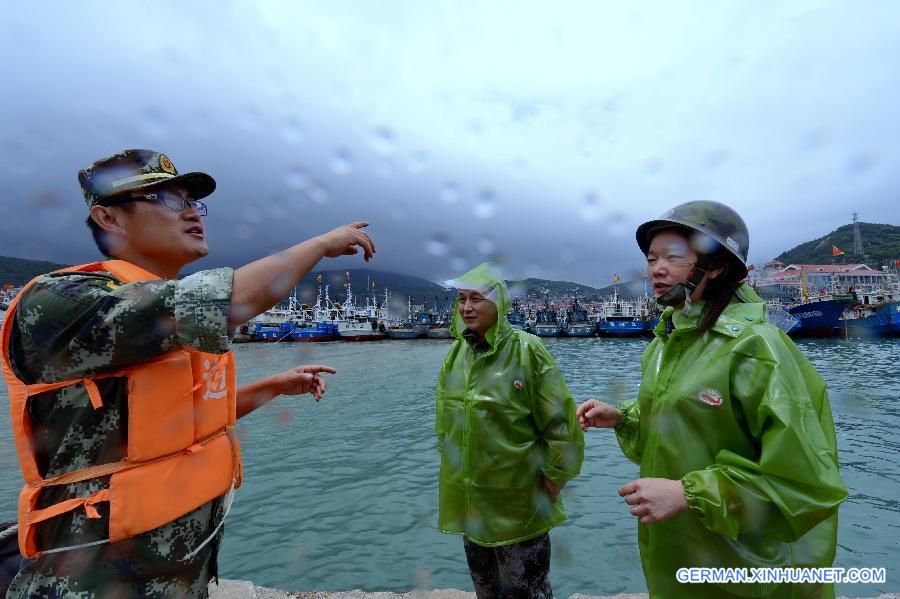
171 200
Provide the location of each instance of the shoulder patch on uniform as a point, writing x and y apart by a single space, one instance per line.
711 397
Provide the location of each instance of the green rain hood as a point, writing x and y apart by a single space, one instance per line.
742 419
504 417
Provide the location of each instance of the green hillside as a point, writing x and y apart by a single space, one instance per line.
562 289
881 245
18 271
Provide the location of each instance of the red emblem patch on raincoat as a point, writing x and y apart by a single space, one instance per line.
711 397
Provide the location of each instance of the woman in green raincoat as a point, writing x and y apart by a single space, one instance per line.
509 441
731 427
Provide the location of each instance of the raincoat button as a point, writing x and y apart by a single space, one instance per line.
735 328
750 318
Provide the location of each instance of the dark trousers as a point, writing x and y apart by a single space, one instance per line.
516 571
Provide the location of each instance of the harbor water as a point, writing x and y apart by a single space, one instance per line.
343 494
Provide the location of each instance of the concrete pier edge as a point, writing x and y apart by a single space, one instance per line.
242 589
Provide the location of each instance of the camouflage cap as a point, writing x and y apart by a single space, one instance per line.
138 169
716 220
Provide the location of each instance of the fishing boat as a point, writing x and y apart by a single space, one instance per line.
312 331
367 323
267 331
817 314
516 317
422 319
440 330
441 316
405 329
546 322
268 325
621 317
817 318
578 324
354 329
875 312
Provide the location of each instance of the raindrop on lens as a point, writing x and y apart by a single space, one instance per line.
297 178
861 163
383 141
458 263
340 163
275 208
153 123
438 245
450 193
397 211
252 214
485 245
384 168
419 162
815 140
317 193
280 286
285 416
617 225
486 205
251 119
590 207
422 579
653 166
703 244
292 132
519 167
244 232
716 158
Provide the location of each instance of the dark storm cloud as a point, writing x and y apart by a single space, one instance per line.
541 146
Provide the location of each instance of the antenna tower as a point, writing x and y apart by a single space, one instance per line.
857 237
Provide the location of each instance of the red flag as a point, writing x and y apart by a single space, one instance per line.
835 251
896 262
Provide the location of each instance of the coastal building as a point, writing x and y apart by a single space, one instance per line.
823 277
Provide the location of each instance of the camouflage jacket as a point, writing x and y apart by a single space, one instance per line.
70 325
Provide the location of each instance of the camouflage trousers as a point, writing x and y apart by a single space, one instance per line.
516 571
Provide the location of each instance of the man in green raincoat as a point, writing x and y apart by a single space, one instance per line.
509 441
731 427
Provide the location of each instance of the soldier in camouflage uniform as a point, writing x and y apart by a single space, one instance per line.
79 324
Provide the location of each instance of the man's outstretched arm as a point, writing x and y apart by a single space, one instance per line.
260 285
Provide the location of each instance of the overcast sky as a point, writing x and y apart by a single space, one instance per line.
536 134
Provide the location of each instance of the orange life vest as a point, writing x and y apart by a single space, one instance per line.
181 450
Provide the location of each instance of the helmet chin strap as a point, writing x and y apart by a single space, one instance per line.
681 292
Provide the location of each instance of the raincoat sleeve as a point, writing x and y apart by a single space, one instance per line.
628 431
794 484
554 414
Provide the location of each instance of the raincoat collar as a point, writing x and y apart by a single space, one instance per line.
745 309
484 277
